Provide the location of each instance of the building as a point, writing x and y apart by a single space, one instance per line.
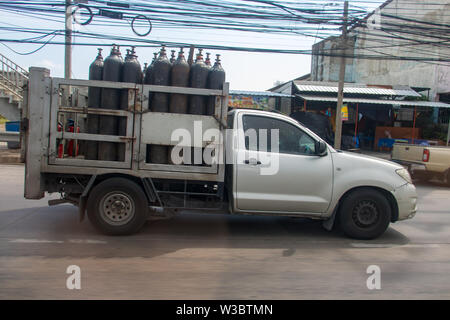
375 115
383 37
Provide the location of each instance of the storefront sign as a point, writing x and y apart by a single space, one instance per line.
252 102
344 111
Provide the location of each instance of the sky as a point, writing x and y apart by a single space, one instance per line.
244 70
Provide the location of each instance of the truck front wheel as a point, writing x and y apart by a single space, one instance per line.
117 206
365 214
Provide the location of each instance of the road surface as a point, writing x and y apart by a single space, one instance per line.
195 256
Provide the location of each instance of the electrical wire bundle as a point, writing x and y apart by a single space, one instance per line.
403 34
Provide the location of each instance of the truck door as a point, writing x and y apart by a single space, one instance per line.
290 179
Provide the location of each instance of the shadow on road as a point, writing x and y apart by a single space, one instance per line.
431 183
56 232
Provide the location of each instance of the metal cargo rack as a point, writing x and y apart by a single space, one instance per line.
46 102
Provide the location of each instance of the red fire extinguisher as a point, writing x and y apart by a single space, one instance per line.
72 148
60 144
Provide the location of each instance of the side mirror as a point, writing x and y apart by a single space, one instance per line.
321 148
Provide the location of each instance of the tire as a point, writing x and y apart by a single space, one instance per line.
117 206
365 214
447 178
422 176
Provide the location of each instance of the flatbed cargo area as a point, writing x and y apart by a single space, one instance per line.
47 143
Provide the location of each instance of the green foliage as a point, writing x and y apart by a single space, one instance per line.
434 132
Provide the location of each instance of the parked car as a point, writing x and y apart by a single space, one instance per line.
424 162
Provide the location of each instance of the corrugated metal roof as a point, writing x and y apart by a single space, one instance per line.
355 88
377 101
259 93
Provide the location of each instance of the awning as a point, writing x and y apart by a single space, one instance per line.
377 101
330 87
259 93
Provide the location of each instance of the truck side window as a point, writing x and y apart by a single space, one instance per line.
230 120
292 140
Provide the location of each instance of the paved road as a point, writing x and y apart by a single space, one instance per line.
198 256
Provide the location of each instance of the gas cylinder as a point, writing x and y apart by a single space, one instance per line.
179 78
120 53
149 70
132 73
216 79
112 71
159 102
94 101
198 78
208 59
172 56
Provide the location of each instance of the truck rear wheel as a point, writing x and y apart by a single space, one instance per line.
365 214
117 206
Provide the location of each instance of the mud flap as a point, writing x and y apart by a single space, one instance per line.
329 223
82 207
82 204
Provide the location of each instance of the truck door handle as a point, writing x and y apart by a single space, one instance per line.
252 161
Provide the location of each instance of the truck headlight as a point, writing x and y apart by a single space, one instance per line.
404 174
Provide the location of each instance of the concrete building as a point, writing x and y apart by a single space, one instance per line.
393 31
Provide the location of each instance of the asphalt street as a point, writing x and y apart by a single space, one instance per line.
198 256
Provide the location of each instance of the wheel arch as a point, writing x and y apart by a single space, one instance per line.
146 187
117 206
389 196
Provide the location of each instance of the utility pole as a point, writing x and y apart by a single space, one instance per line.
68 41
338 132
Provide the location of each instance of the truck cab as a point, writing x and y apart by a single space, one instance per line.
304 176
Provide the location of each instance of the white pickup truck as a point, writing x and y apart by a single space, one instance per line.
424 162
296 175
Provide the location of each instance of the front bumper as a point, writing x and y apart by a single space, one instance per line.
406 197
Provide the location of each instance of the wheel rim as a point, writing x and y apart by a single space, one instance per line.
117 208
365 213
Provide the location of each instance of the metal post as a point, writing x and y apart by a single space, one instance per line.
338 131
68 41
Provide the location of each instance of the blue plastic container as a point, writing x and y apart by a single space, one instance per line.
12 126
